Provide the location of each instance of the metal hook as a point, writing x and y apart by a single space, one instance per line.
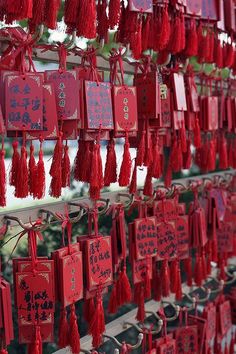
38 35
231 276
132 347
175 307
71 43
40 227
105 208
130 202
142 328
220 284
56 217
193 301
207 291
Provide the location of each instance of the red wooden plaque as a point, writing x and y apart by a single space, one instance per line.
179 92
98 262
140 268
210 9
225 236
148 95
186 340
145 237
166 240
168 347
211 112
35 298
71 278
194 7
178 119
50 121
69 129
27 333
210 315
67 91
98 105
193 94
24 102
125 109
182 233
141 5
225 317
166 116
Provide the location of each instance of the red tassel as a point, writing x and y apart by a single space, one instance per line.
226 350
124 287
110 175
37 14
22 187
223 156
32 172
148 188
156 166
74 337
86 19
178 291
175 41
145 32
183 138
102 20
173 275
50 13
71 12
165 29
120 34
231 348
114 13
229 56
125 169
96 178
148 156
198 276
97 323
141 150
78 160
210 58
141 308
133 183
112 306
191 48
182 31
188 271
56 170
168 176
36 347
88 309
63 335
156 284
211 156
197 134
187 157
230 154
85 167
2 178
15 165
66 167
218 53
19 10
3 351
147 285
136 45
174 156
165 278
40 188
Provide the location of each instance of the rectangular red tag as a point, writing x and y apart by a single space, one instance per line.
71 278
186 340
27 333
225 317
24 102
140 268
67 90
166 114
98 105
194 7
125 109
98 262
166 240
182 233
141 6
148 95
225 237
145 237
210 10
179 92
50 122
35 298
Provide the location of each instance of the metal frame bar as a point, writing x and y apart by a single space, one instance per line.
59 206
